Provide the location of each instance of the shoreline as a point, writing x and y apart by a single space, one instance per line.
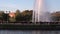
28 27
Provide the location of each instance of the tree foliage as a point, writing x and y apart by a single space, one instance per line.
25 15
55 16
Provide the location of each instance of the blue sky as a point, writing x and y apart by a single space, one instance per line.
12 5
53 5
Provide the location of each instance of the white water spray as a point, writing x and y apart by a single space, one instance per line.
40 12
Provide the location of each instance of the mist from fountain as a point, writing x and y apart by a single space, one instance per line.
40 12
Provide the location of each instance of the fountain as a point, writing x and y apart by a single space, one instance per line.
40 12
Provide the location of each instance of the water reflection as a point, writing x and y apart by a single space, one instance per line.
28 32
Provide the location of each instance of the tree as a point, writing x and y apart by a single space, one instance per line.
55 17
27 15
31 13
18 15
1 15
12 19
5 17
17 12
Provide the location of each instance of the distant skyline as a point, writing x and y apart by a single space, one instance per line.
12 5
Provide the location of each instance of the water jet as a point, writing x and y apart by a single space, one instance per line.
40 12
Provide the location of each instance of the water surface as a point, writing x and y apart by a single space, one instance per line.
28 32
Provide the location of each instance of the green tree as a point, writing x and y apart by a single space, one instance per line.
17 12
27 15
12 19
5 17
18 15
1 15
55 17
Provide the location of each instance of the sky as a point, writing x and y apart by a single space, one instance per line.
53 5
12 5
